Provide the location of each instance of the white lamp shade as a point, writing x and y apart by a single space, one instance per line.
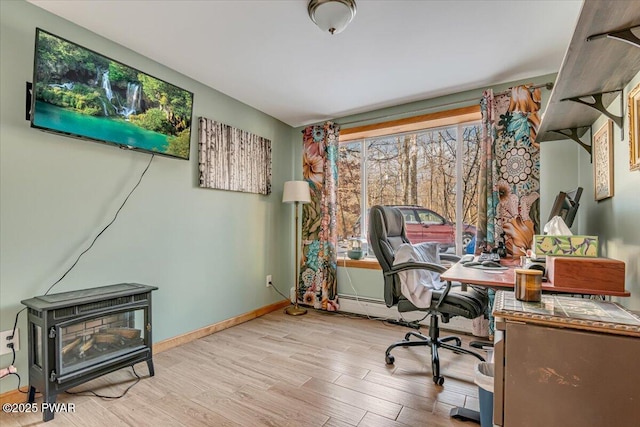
332 15
296 191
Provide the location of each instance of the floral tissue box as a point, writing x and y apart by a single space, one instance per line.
579 246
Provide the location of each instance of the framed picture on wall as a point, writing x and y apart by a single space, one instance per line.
634 128
602 148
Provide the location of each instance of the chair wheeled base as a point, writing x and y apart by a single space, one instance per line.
434 341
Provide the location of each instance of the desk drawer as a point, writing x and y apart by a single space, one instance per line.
567 378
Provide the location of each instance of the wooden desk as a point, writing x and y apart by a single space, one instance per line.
505 279
565 362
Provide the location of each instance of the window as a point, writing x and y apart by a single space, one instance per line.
410 216
427 166
430 217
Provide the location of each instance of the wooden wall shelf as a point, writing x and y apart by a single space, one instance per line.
600 66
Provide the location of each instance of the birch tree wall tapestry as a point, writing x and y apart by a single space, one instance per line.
232 159
509 184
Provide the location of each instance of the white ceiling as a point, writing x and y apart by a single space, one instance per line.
271 56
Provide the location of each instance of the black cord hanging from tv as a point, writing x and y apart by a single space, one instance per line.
105 227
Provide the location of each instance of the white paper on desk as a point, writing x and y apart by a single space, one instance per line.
557 227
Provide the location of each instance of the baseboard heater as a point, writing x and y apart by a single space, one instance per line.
373 307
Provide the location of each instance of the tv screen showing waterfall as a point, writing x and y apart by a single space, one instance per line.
80 93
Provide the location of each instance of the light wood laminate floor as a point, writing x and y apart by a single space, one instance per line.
314 370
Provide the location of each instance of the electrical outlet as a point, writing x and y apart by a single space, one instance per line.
4 341
269 281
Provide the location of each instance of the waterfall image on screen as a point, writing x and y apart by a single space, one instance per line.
83 94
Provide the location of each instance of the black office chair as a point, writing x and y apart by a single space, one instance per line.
386 233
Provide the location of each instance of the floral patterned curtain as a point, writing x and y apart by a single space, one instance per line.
317 281
510 170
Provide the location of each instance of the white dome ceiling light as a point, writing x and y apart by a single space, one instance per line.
332 15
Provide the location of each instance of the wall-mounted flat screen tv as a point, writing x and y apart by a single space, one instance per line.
80 93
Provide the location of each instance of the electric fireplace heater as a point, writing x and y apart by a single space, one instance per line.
80 335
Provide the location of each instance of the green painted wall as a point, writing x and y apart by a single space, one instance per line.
208 251
615 220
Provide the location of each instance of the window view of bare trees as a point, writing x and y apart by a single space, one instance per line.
415 168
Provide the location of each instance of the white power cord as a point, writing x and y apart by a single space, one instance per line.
355 294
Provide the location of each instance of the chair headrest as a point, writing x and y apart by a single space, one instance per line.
386 232
386 221
394 220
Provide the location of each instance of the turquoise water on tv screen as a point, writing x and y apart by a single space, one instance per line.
101 128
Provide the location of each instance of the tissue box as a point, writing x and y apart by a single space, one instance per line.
577 246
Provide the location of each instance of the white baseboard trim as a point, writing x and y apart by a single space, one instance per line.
377 308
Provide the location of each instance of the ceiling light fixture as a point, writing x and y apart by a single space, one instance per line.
332 15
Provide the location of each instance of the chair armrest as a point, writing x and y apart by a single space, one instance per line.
405 266
444 294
